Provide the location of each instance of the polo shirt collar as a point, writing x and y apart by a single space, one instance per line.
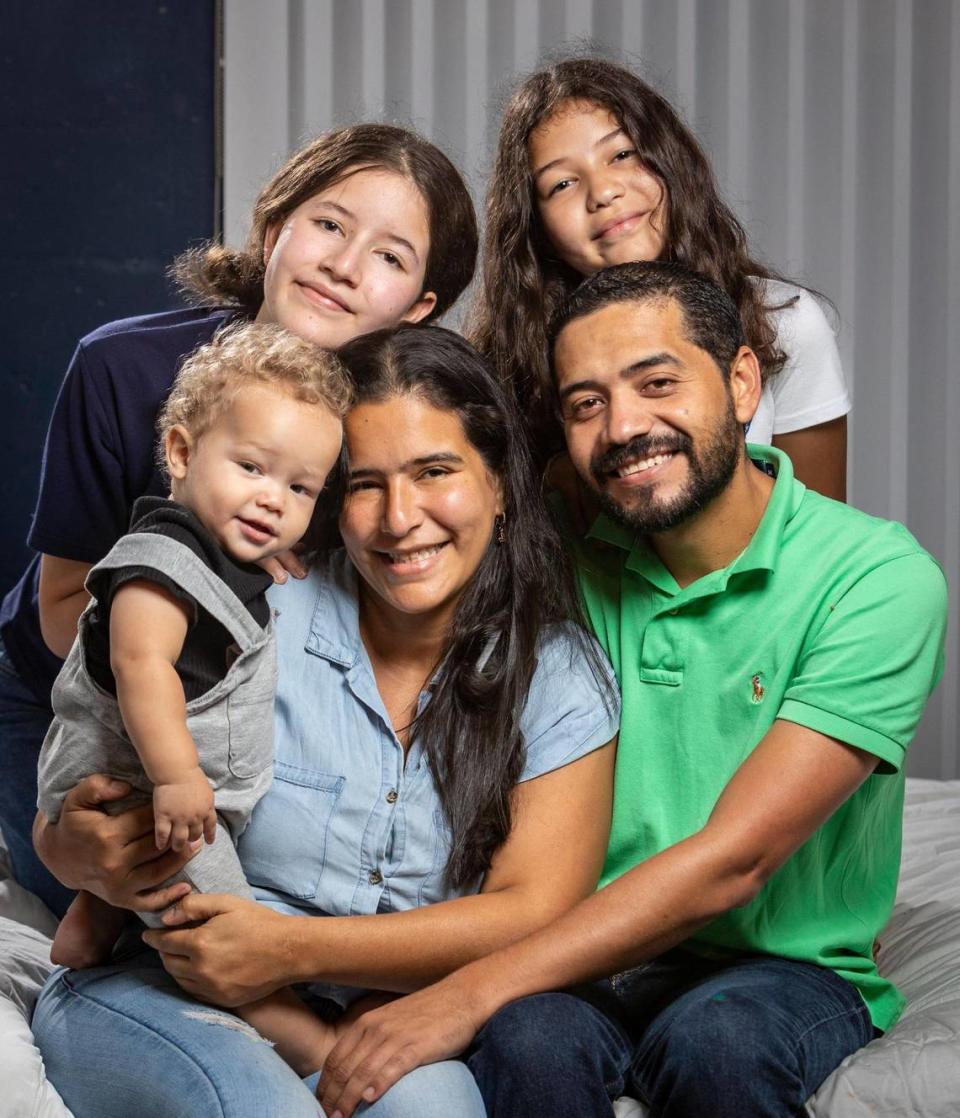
761 553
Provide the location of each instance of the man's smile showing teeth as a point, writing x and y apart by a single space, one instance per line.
643 465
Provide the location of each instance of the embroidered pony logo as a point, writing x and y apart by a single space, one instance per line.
756 682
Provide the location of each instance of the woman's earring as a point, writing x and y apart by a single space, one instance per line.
499 528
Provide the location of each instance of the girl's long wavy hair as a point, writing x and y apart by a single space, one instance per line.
470 730
219 276
523 283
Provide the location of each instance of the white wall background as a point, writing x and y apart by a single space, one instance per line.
834 126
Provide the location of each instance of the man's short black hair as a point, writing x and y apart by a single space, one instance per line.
710 318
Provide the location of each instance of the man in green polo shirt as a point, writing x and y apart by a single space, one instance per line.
775 650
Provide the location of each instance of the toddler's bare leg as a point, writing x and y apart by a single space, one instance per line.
87 932
300 1037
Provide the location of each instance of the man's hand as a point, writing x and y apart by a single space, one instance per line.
235 951
433 1024
183 811
111 856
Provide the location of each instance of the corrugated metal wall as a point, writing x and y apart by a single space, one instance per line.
835 130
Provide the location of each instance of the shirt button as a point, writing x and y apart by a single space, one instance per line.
674 612
392 796
375 877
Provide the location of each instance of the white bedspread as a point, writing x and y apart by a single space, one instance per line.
911 1072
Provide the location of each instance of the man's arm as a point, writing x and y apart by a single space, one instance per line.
789 785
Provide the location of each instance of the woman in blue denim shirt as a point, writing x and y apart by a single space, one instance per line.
442 781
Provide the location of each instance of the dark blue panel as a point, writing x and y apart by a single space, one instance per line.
107 135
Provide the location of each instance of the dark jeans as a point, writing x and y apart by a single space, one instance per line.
689 1037
23 726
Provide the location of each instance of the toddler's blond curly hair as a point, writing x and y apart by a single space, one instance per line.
250 354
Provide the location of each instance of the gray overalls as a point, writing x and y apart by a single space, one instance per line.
231 724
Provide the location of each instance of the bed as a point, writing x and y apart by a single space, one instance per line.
911 1072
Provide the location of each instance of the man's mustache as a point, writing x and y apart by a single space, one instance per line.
638 448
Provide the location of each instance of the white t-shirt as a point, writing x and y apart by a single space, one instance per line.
810 388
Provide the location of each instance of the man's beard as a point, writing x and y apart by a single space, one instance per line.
709 471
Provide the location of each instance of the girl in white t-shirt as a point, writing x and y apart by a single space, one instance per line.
595 168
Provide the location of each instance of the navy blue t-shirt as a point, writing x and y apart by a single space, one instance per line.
98 459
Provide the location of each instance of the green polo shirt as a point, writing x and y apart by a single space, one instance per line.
829 618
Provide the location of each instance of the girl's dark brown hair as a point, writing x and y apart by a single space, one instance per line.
523 284
219 276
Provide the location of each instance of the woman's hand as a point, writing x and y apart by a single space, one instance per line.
112 856
433 1024
234 951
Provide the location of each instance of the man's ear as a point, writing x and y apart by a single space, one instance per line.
421 308
177 447
745 384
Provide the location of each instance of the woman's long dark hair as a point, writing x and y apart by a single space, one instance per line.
470 729
523 284
219 276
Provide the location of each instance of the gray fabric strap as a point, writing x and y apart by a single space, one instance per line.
187 569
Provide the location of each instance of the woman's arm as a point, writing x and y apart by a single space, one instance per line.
551 860
819 456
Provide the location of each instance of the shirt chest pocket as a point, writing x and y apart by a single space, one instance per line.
284 847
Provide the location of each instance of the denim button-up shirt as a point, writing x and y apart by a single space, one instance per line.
349 825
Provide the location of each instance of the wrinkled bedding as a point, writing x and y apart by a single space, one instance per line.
911 1072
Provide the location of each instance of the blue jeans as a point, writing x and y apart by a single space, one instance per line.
687 1036
124 1039
23 726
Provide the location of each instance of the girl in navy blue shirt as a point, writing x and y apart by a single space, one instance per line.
365 227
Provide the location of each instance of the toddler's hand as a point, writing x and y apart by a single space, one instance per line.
285 563
183 810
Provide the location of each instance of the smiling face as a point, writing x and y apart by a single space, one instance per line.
651 423
598 203
349 260
253 477
420 506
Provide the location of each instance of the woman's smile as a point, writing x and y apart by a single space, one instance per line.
420 507
412 562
